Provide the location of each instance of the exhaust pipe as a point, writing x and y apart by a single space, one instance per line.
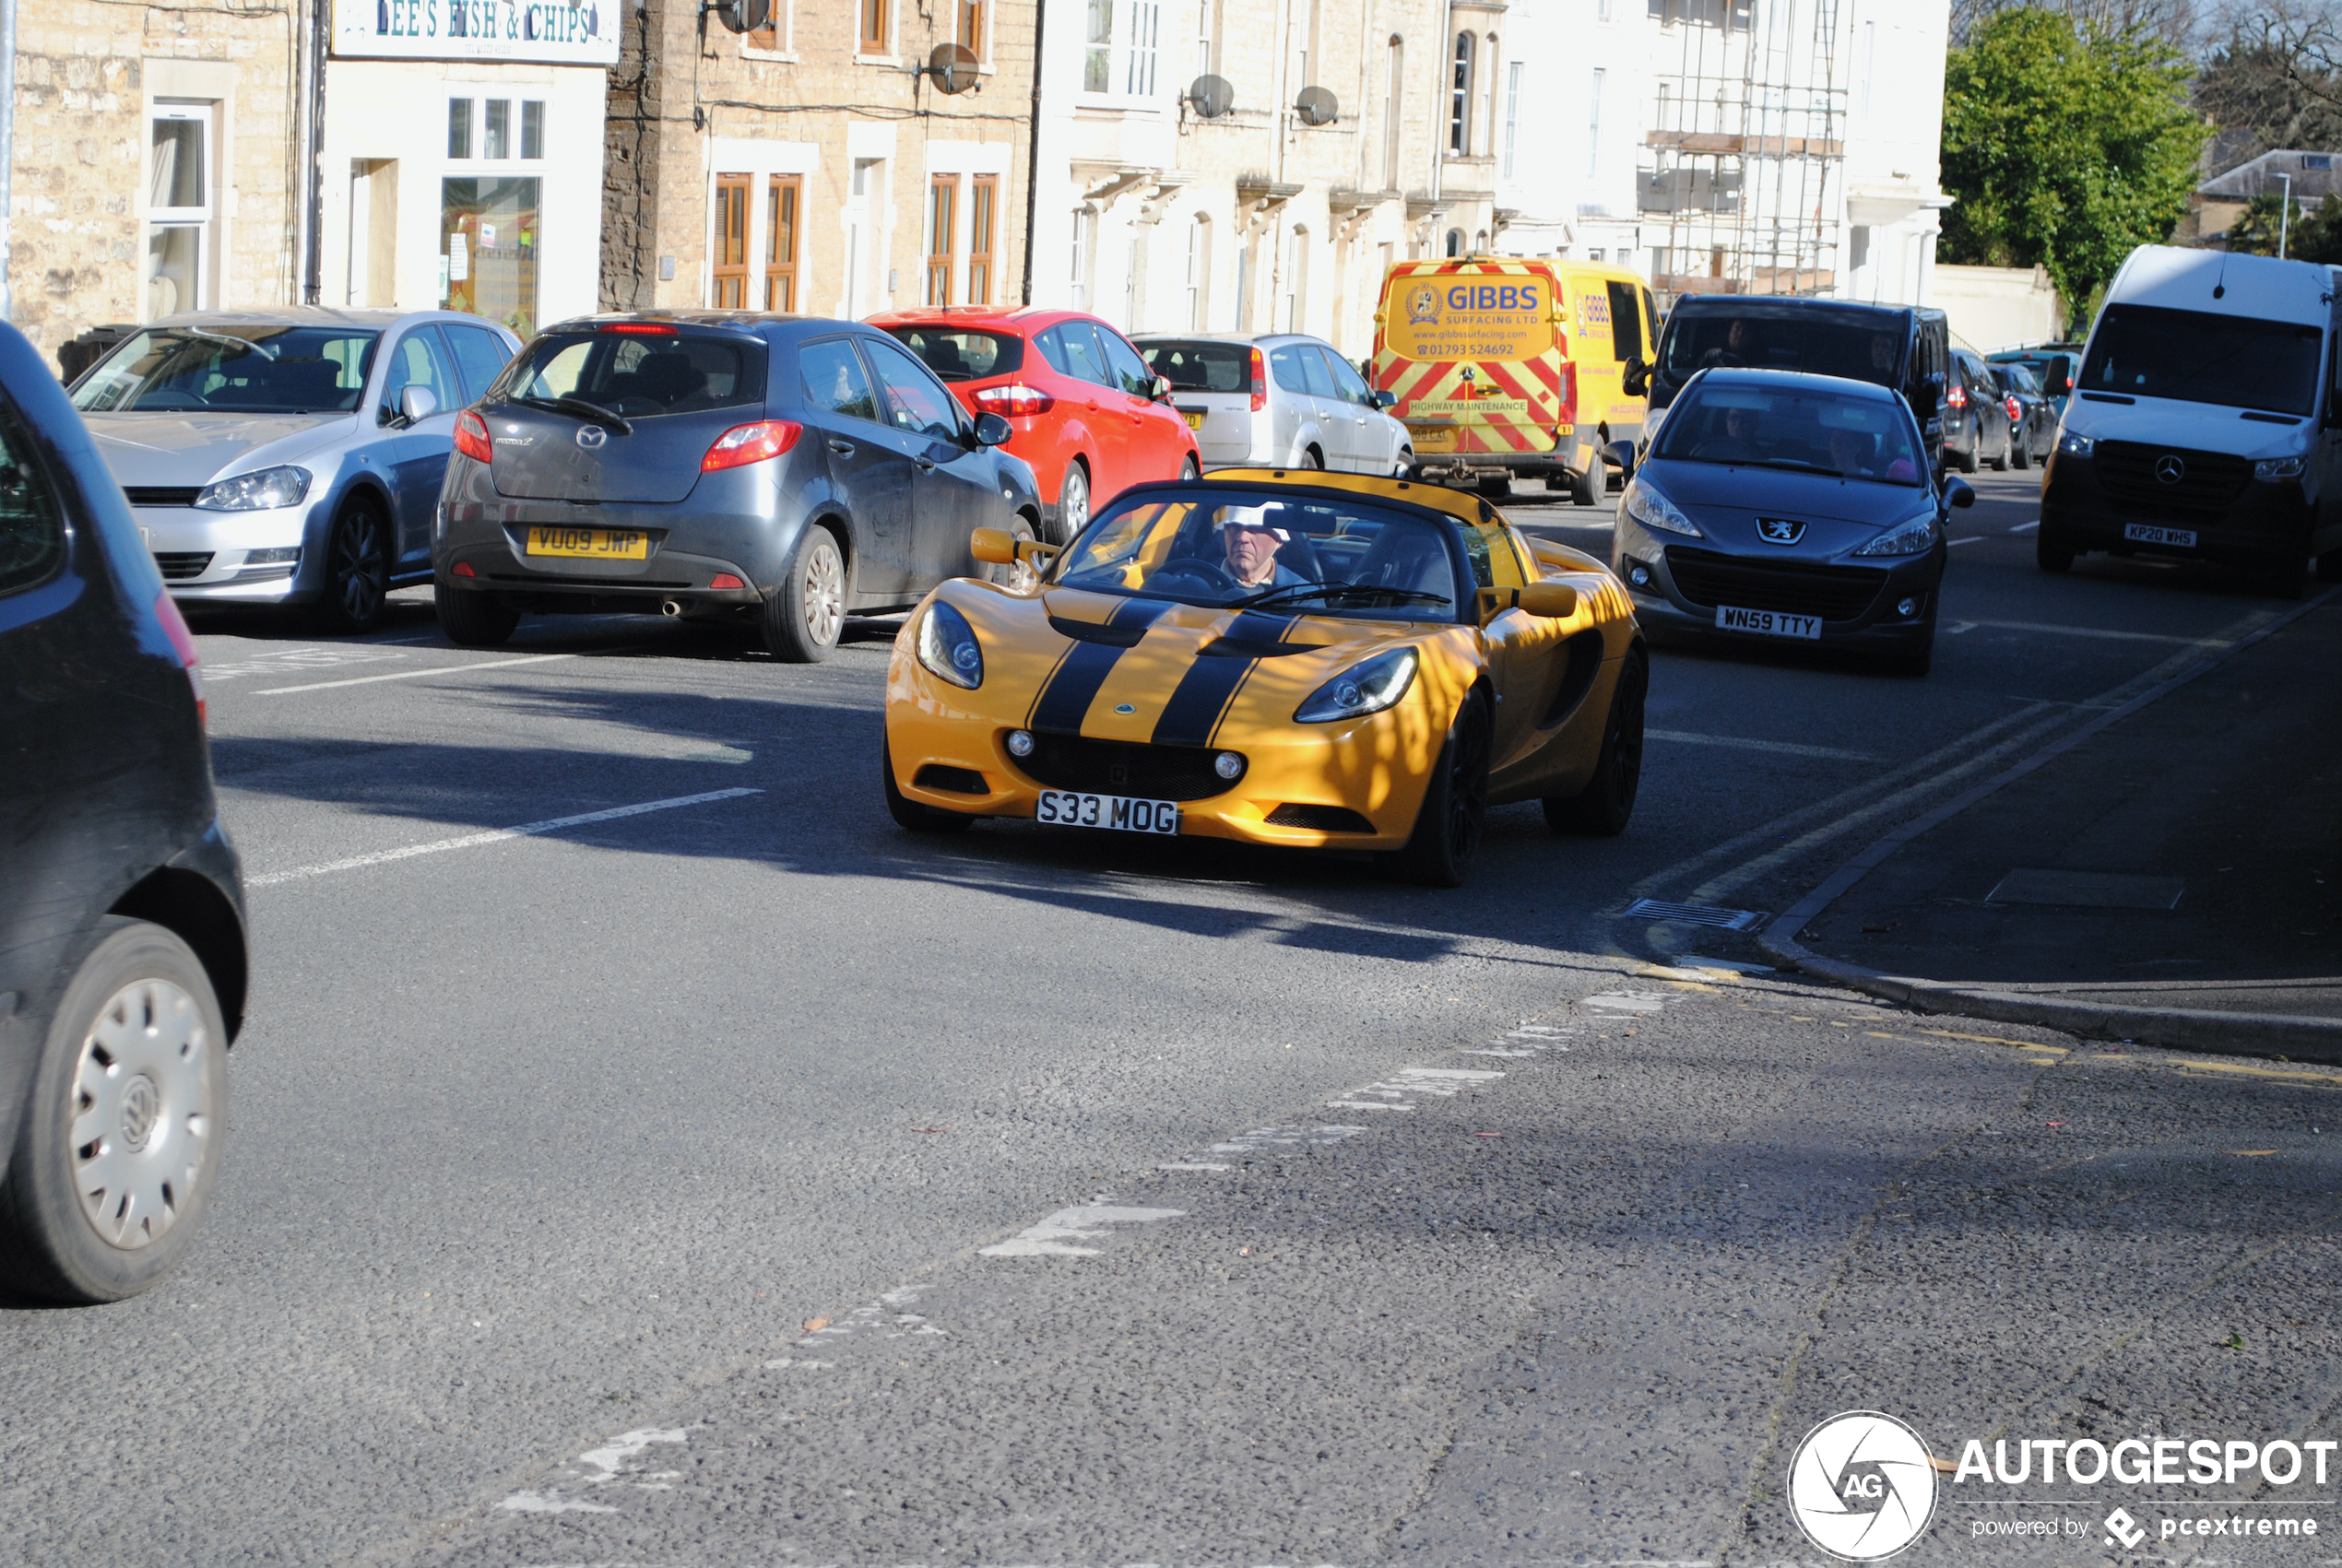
670 608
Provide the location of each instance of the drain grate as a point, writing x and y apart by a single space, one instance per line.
1694 914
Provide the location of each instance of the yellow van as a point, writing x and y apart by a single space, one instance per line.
1511 366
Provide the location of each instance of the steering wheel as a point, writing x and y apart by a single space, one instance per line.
1197 576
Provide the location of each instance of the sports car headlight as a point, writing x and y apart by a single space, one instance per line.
1911 538
2277 469
948 647
1650 509
260 491
1362 689
2074 445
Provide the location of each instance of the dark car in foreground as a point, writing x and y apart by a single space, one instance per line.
123 954
782 471
1789 508
2032 418
1902 348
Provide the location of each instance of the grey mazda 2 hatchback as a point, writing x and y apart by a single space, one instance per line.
779 469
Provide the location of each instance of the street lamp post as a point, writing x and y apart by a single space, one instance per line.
2284 215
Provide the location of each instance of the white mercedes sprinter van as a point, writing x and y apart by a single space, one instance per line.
2204 423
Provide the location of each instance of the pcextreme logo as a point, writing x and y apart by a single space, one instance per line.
1862 1486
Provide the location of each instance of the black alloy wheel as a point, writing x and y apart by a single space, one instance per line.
1583 491
356 569
910 814
1455 806
1604 808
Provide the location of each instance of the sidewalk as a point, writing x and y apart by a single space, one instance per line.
2186 860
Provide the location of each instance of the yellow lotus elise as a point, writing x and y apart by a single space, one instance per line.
1299 658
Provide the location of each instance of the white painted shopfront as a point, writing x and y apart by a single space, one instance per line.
463 155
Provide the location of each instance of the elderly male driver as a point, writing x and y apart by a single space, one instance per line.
1251 544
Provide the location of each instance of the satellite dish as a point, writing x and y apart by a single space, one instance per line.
952 67
743 15
1317 106
1210 97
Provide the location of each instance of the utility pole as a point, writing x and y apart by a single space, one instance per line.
2283 215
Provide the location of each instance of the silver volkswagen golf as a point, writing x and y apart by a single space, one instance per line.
289 456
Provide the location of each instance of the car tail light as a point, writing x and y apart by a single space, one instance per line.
471 437
1014 400
2016 410
1957 398
464 568
743 444
641 328
182 642
724 580
1260 381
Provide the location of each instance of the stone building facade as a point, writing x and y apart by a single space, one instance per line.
1271 215
815 165
157 162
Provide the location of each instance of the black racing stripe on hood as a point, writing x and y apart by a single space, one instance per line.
1065 698
1203 694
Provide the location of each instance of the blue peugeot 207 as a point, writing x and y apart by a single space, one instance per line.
1790 508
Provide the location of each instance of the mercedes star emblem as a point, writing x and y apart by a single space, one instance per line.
2169 469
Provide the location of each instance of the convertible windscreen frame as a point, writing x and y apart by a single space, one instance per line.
1078 566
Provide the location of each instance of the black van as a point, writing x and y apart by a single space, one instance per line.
1902 347
122 953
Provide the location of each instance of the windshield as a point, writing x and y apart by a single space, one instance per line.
232 368
1816 344
637 375
962 353
1306 556
2193 356
1192 365
1800 428
2018 377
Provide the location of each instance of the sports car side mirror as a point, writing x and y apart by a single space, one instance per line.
1550 601
1957 493
992 430
1161 391
417 404
1621 453
1635 380
1386 398
996 546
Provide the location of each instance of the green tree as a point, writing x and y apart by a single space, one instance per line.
2313 235
2065 147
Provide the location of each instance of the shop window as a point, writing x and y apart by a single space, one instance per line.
729 284
781 196
983 206
180 208
488 247
459 127
532 128
942 214
496 141
877 33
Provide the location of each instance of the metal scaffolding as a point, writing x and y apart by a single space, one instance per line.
1744 163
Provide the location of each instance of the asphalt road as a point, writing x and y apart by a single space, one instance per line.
621 1191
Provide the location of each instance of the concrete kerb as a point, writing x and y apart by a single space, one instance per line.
2243 1034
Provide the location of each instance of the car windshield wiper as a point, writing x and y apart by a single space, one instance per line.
578 408
1792 463
1336 590
230 339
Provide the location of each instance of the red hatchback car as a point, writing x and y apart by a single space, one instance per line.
1089 416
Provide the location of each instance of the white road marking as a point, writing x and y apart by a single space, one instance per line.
497 835
1365 1105
295 661
1284 1138
1053 1237
1530 1040
418 674
801 1363
1637 1002
2097 632
1193 1165
2026 527
1972 539
606 1464
1742 743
